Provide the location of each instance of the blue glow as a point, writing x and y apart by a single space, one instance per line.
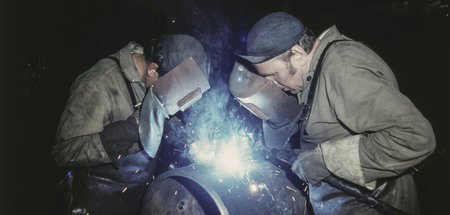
243 39
222 139
231 155
69 175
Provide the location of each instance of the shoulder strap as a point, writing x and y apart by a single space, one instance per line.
127 82
306 111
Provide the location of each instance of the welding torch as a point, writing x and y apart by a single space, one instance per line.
287 158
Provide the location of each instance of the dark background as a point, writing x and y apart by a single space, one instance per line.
44 45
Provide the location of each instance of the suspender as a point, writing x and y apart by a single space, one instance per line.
306 111
127 82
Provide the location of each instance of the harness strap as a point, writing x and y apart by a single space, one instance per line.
127 82
306 111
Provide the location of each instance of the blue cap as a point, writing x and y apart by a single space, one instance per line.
271 36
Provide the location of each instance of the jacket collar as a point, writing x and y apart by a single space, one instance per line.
127 64
325 37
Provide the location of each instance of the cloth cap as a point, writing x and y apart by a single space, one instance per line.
178 47
272 35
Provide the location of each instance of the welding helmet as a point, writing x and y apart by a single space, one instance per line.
184 78
182 86
183 64
261 97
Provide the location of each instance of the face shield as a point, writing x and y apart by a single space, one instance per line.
261 97
186 61
182 86
177 90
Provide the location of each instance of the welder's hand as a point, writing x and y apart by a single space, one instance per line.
174 123
137 113
310 166
176 132
119 137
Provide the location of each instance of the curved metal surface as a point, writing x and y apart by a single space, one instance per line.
185 184
266 190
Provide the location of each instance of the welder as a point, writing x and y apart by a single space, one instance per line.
111 127
354 122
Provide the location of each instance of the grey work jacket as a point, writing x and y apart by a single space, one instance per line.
98 97
369 132
367 129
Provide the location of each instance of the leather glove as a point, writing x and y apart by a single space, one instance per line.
177 132
118 137
310 166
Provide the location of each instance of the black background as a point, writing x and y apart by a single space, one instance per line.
58 40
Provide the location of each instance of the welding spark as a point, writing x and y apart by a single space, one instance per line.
221 138
230 158
290 188
253 188
229 155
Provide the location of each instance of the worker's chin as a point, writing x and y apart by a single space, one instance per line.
294 91
291 90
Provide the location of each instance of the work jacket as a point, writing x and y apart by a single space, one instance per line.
99 97
368 131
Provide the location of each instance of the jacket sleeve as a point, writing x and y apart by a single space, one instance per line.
389 136
78 141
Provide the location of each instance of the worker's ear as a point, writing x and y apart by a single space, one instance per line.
151 70
298 54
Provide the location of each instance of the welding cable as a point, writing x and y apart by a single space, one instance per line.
361 195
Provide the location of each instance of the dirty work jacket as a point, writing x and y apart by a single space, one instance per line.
99 97
367 129
369 132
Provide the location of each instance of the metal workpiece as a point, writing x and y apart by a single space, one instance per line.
201 189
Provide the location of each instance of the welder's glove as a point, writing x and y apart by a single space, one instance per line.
120 139
310 166
176 132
